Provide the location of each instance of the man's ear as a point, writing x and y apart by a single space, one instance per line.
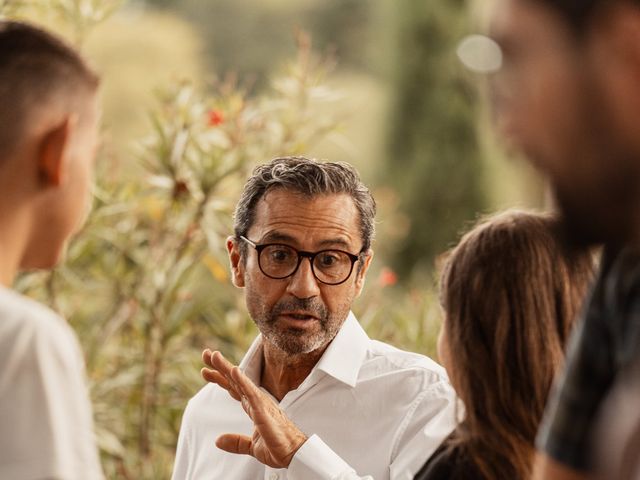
362 270
237 263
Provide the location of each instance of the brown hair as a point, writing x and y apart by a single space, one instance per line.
511 294
35 68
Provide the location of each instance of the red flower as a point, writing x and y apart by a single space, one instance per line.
387 277
215 118
180 189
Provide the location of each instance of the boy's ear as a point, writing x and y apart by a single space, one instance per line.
236 261
52 152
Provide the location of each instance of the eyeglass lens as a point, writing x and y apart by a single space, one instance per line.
329 266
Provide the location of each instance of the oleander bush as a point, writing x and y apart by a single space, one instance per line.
146 283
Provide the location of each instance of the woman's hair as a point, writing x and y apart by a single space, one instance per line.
511 294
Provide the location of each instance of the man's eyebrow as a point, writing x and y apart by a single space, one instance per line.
288 239
278 237
334 241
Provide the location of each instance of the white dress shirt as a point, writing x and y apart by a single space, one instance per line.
369 410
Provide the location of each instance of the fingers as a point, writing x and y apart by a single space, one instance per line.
220 372
221 364
216 360
234 443
216 377
206 357
246 386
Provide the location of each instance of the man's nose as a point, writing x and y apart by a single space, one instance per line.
303 283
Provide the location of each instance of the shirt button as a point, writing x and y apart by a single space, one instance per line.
274 476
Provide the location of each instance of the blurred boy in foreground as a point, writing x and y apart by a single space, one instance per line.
48 136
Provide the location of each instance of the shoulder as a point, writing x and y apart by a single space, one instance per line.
203 397
449 463
384 359
617 288
211 402
43 395
621 280
29 329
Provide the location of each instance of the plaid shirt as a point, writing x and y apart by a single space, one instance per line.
605 342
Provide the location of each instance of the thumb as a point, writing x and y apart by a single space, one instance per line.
235 443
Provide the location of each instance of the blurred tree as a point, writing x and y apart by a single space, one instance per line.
434 155
135 44
254 36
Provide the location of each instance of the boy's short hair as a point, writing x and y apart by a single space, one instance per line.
35 68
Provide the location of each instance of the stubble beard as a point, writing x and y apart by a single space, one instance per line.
601 206
602 216
599 199
297 341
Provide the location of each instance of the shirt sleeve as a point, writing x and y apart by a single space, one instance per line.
430 420
565 432
427 426
181 465
316 461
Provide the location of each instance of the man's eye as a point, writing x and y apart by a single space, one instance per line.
280 255
328 260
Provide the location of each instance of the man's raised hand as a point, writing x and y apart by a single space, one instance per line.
276 438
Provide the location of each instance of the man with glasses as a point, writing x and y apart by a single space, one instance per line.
314 397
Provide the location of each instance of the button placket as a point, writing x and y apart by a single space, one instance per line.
271 474
293 396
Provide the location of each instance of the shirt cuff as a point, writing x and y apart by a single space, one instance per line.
314 460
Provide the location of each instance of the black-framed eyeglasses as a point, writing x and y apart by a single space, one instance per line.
278 261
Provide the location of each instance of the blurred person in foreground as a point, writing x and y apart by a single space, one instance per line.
314 397
48 135
568 97
510 293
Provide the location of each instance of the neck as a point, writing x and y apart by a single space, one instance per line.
282 372
7 269
11 248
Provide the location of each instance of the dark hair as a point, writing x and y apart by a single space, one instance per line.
310 178
511 294
578 13
35 68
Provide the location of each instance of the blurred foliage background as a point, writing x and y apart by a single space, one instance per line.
195 93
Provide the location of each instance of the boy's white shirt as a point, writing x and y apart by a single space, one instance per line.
46 422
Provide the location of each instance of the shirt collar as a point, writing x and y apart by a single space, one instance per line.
251 363
342 359
344 356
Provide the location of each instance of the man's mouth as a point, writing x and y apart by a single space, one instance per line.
299 315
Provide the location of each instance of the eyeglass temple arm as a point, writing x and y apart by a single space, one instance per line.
248 241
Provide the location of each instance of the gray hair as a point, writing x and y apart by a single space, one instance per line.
310 178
